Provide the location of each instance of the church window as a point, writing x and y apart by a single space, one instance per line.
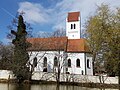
55 61
78 63
45 62
88 63
71 26
35 61
74 26
69 62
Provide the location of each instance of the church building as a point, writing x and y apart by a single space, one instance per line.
69 54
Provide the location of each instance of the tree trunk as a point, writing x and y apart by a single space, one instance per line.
58 76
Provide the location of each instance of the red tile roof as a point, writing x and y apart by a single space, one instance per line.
59 43
73 16
53 43
77 45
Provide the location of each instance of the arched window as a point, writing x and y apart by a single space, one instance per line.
55 62
45 62
88 63
35 61
69 62
74 26
71 26
78 63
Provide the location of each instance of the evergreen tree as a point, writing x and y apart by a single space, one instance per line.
21 56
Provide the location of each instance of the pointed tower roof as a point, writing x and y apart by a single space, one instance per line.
73 16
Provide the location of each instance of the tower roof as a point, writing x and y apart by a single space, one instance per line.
73 16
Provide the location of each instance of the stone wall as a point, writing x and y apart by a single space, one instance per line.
5 74
75 78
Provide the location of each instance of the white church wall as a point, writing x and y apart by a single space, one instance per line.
50 55
74 69
89 70
83 69
39 56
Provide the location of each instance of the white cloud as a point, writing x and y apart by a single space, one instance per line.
36 13
86 8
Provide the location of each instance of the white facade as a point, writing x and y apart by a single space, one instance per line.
50 55
89 64
85 67
73 29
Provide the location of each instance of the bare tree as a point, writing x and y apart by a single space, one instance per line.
55 43
6 52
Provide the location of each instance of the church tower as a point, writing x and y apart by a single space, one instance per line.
73 25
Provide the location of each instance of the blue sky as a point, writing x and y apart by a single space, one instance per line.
46 15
